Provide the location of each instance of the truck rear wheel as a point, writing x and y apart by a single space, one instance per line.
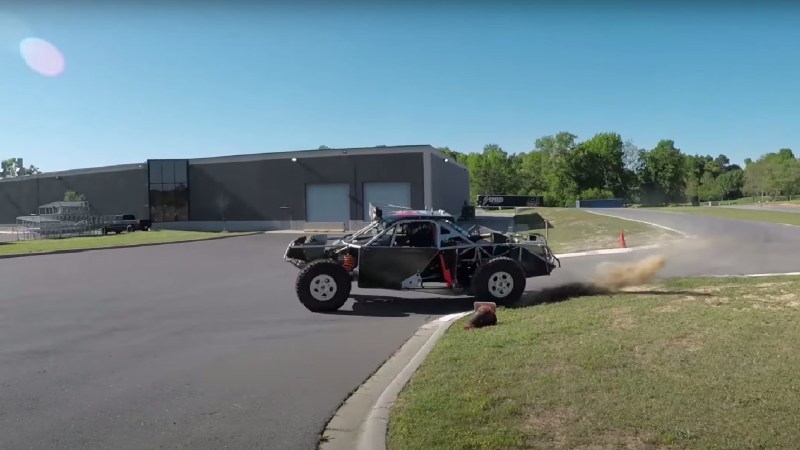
501 280
323 286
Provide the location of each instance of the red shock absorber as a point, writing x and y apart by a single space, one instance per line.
347 262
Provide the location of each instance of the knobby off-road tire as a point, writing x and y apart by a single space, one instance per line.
323 286
501 280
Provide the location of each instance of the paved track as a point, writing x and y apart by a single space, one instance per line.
197 346
720 246
203 345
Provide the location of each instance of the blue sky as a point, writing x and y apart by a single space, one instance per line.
169 81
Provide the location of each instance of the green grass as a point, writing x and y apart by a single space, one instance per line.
96 242
759 215
766 200
575 230
751 200
690 364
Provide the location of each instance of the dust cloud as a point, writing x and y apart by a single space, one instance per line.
613 277
609 278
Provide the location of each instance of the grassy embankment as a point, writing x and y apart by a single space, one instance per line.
574 230
698 363
111 240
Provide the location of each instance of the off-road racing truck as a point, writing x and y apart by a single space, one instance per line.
419 250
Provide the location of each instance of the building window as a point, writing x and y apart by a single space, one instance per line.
169 190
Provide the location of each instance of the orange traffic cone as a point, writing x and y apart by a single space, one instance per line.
622 243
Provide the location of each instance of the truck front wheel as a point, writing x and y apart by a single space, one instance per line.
323 286
501 280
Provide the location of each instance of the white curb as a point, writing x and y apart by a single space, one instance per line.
684 234
373 435
755 275
608 251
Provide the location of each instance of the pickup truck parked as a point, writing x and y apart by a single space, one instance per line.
124 222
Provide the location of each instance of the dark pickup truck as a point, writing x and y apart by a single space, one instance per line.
125 222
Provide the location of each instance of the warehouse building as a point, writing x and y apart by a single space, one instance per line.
268 191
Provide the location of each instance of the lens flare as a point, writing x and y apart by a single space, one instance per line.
42 56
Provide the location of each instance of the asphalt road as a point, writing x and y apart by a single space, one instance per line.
718 246
204 345
198 346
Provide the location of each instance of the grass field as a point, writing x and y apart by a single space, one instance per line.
697 364
751 200
95 242
757 215
575 230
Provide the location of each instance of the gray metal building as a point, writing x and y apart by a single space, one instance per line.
255 192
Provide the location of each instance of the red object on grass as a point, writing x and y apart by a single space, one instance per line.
484 316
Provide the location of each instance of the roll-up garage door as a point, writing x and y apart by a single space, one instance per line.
327 203
386 193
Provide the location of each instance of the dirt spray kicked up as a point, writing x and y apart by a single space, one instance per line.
613 277
610 278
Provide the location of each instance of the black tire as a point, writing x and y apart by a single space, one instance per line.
333 276
129 229
501 280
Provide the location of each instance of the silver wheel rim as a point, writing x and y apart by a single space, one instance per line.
501 284
323 287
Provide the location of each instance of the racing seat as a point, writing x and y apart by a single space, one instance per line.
423 236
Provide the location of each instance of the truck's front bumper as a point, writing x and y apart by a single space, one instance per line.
290 258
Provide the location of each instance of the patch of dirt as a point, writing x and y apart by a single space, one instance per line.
773 300
668 308
553 423
615 439
622 318
689 343
707 289
773 284
557 369
719 301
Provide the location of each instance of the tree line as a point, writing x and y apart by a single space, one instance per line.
561 169
11 168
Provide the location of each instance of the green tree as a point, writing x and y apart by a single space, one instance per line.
72 196
11 168
731 183
709 189
562 189
662 175
454 155
531 173
598 163
493 173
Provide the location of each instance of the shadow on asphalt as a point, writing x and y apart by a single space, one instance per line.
391 306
